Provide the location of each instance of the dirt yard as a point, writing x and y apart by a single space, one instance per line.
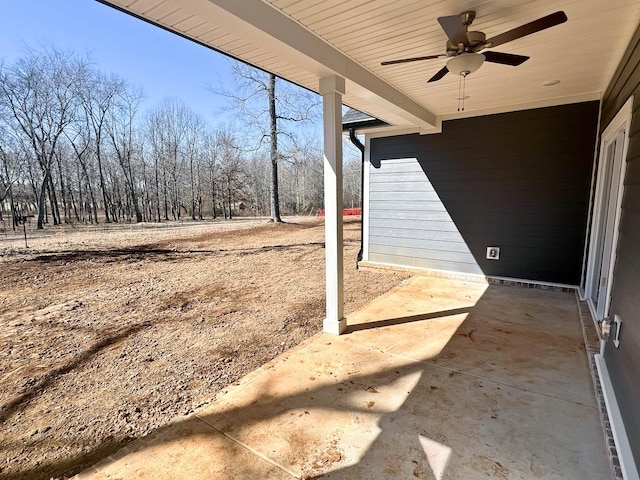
110 332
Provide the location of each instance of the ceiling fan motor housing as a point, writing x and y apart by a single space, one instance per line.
463 47
475 39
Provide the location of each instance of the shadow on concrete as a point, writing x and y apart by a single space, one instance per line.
403 320
429 400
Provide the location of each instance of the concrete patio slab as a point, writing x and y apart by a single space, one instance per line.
455 426
184 451
319 406
438 379
530 338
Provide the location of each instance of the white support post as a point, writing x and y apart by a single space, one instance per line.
332 88
364 218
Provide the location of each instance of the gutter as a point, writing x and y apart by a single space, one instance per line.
354 139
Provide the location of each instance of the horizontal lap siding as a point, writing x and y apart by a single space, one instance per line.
519 181
623 363
408 223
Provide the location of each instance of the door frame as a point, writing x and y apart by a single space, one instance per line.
599 230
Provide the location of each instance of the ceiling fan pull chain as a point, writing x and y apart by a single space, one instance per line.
462 84
464 88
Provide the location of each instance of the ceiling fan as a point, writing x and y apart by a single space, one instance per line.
463 47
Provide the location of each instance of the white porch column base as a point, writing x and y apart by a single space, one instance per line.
332 88
333 327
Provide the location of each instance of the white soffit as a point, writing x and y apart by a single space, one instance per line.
304 40
259 34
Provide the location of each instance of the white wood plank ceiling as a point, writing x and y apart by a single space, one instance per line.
302 40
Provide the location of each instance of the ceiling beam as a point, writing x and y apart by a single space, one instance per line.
265 26
262 25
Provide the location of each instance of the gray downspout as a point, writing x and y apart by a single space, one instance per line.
354 139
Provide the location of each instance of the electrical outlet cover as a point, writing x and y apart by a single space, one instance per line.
493 253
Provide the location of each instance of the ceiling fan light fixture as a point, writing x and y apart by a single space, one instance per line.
465 63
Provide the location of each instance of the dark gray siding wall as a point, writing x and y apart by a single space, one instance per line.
623 363
519 181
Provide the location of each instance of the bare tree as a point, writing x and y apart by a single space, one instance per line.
230 172
303 177
80 136
62 180
10 172
121 132
210 160
154 144
194 132
351 182
40 94
98 94
72 143
174 131
271 107
257 182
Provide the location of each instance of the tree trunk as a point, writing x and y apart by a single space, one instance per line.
10 191
273 130
157 190
53 201
213 199
229 198
66 208
134 198
164 194
42 204
193 191
13 209
73 206
80 196
105 196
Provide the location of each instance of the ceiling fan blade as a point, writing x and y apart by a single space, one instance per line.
527 29
441 73
412 59
505 58
455 29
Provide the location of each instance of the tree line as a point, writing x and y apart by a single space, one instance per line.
77 147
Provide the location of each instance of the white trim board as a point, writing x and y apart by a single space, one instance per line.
552 102
365 199
582 291
392 131
467 277
625 454
599 230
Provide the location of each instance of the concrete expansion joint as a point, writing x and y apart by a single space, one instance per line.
249 449
515 387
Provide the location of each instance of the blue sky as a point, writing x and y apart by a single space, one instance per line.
161 63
